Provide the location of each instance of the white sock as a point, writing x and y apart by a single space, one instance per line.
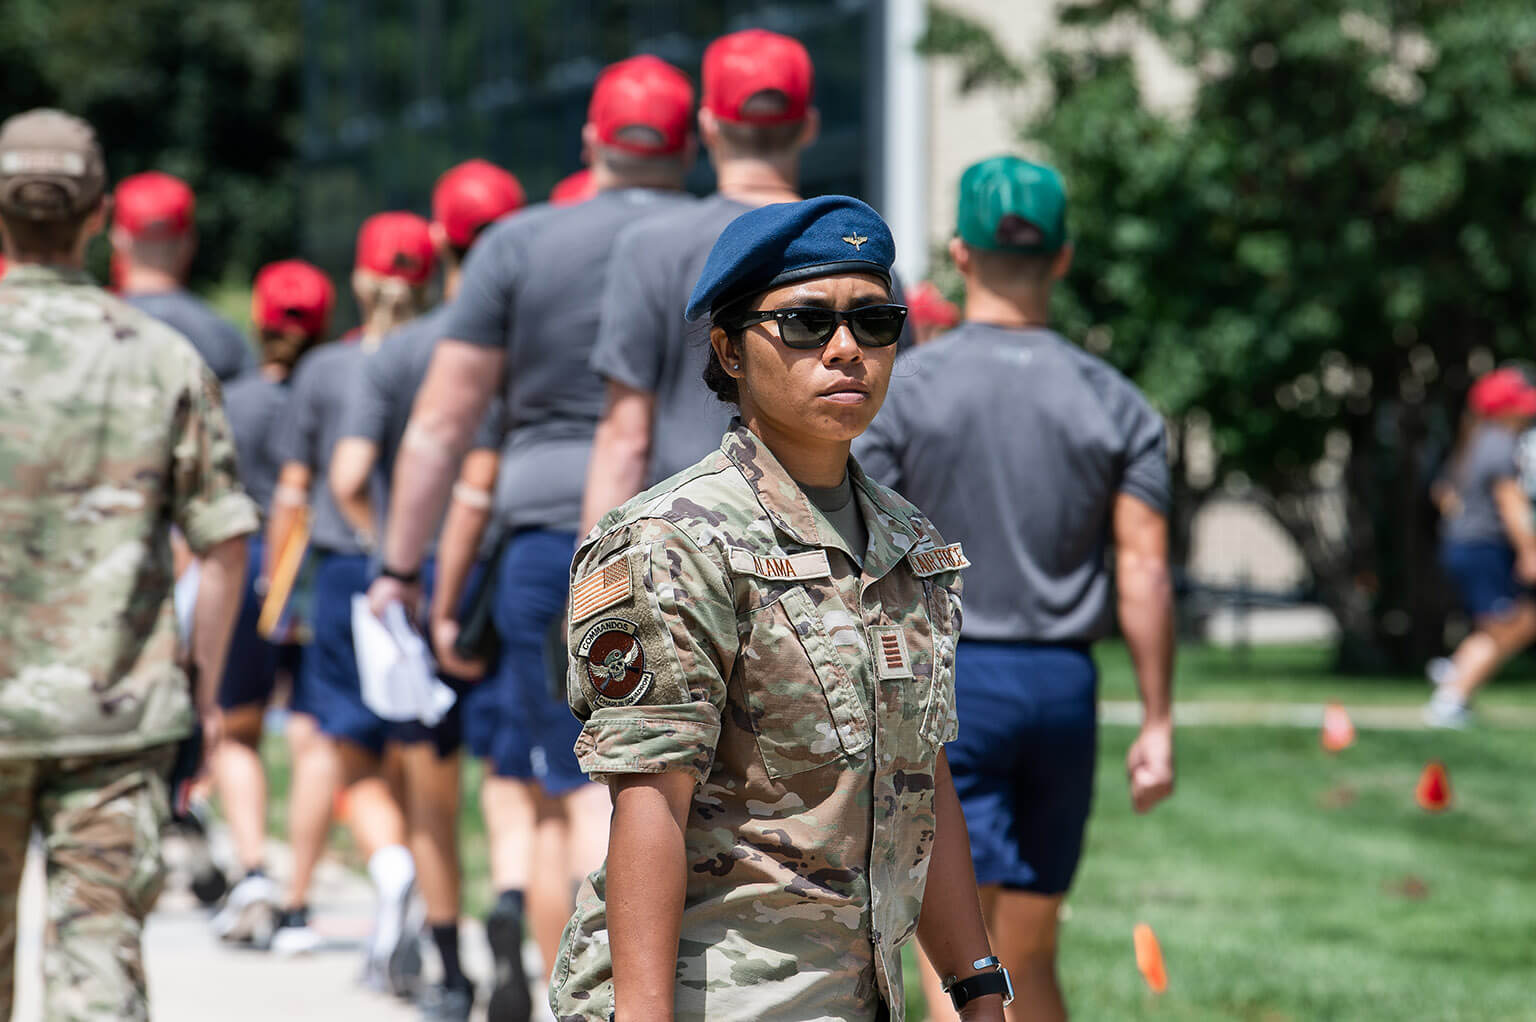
393 871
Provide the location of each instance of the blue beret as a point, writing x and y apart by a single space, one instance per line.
789 241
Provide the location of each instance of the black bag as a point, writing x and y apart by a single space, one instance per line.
478 639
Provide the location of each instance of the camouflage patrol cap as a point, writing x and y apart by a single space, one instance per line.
51 167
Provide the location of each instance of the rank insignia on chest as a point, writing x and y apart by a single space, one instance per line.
937 560
600 590
613 663
891 660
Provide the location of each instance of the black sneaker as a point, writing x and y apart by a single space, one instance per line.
441 1003
511 1000
294 935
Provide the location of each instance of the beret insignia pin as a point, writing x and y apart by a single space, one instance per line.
856 240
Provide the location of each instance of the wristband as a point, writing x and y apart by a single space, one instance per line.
964 991
409 578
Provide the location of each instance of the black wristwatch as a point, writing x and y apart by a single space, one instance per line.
409 578
996 981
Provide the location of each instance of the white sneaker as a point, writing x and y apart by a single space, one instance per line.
1439 671
1448 713
249 915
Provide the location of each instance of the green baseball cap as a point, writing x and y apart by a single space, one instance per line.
1011 205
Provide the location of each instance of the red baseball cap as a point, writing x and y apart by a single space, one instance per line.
741 65
154 205
573 188
1503 392
471 195
642 92
2 266
926 306
292 293
396 245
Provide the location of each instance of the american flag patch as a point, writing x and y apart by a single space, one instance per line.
890 652
602 589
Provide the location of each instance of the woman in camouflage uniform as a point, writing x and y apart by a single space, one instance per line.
762 654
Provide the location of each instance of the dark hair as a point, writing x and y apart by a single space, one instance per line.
720 383
285 345
1003 265
44 237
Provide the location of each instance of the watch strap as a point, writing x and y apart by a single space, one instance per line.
963 991
405 577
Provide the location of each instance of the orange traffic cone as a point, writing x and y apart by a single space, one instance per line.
1338 729
1149 958
1433 791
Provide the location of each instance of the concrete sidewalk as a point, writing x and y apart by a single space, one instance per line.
192 977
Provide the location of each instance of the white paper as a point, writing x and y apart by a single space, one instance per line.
399 682
184 599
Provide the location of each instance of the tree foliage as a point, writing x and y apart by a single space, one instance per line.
1312 257
207 91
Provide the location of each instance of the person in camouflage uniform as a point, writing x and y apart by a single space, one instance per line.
110 433
765 672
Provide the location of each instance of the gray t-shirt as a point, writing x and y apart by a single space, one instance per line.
645 343
532 287
254 405
1015 443
312 425
1488 460
215 338
843 514
378 407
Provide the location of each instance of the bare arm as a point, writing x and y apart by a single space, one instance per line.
220 588
453 397
1146 619
351 468
621 452
951 929
647 880
1515 513
468 513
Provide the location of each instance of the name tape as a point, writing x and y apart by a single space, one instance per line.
809 564
939 559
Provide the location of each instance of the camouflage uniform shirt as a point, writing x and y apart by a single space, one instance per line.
719 628
110 432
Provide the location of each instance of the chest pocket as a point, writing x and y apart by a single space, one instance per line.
804 703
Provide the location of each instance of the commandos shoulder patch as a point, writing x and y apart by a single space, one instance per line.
601 589
937 560
806 564
613 663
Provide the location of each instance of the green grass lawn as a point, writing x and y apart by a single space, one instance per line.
1283 882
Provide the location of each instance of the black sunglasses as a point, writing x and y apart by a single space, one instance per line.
800 326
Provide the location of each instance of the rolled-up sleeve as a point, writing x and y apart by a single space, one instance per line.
652 639
209 504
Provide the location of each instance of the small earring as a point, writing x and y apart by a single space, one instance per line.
735 365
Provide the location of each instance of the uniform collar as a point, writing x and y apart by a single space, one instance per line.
34 274
886 516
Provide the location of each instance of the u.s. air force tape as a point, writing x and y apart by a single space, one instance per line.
937 560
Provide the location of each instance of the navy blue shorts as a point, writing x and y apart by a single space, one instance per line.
536 731
1483 573
250 670
1024 761
330 689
